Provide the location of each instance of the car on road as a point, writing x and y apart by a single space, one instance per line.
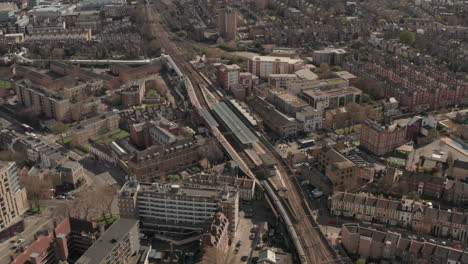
20 241
236 250
432 241
238 244
244 258
60 197
457 246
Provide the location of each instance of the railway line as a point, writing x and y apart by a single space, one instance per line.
310 246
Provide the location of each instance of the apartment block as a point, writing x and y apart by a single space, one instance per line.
303 84
159 160
245 186
68 240
85 130
133 92
42 100
180 214
286 102
280 80
249 80
342 172
228 23
13 200
329 56
396 248
228 75
264 66
382 139
117 245
322 99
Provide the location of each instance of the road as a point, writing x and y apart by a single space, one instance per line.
33 223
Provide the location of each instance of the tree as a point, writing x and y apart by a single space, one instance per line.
449 162
59 128
414 195
356 113
106 195
366 98
407 37
324 68
37 188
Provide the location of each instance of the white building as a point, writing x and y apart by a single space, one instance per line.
310 119
177 213
263 66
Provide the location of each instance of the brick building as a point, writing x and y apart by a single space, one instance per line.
382 139
415 87
117 245
395 247
263 66
422 183
68 240
85 130
228 75
159 160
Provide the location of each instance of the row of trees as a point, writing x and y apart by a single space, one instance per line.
90 203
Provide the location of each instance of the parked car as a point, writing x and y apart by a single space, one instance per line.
457 246
252 236
20 241
244 258
60 197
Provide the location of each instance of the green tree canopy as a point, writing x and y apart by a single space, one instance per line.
407 37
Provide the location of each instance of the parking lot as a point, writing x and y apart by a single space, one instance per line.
254 223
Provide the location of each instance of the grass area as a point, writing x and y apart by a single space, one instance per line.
348 130
151 105
110 136
5 84
194 169
80 151
35 209
356 143
173 177
152 92
66 140
396 161
108 220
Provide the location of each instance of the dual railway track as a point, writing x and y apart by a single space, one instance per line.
305 236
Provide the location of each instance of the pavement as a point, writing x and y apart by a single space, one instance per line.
33 223
261 214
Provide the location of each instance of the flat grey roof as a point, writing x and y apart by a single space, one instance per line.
208 117
235 124
108 241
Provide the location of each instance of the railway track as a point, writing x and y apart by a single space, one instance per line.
306 237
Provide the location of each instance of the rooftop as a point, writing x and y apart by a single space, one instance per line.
108 241
235 125
277 59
